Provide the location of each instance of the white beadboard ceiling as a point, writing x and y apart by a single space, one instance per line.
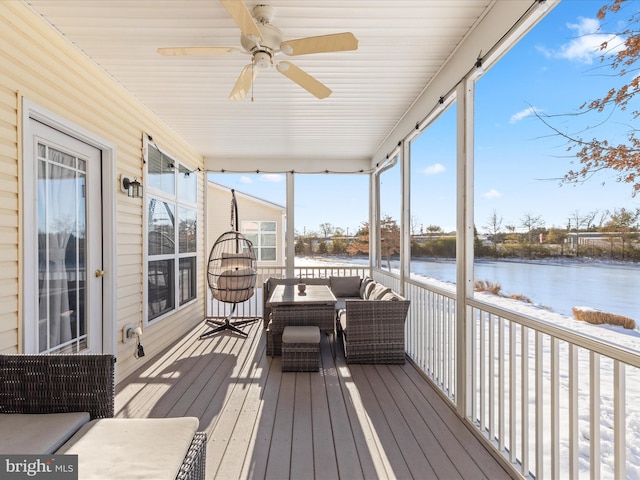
402 45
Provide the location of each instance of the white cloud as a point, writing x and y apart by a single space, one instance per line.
271 178
434 169
245 180
585 47
527 112
493 193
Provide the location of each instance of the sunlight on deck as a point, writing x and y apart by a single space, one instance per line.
355 421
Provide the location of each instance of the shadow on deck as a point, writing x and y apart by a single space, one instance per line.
348 422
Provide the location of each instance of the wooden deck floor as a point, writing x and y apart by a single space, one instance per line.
346 422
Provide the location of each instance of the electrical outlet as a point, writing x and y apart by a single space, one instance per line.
125 329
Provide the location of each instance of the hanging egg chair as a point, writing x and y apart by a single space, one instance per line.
231 275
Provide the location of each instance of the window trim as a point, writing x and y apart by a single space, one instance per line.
174 199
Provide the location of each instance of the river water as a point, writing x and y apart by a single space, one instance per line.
613 288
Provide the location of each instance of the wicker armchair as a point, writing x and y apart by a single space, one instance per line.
57 384
74 383
372 331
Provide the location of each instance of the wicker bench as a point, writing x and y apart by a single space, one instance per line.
300 349
44 385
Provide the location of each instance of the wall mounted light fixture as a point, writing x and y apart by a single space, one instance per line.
133 188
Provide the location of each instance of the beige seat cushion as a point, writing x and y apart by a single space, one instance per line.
30 434
341 303
301 334
131 448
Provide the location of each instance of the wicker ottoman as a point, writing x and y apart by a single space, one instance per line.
274 341
300 349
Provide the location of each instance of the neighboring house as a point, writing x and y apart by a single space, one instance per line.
601 239
261 221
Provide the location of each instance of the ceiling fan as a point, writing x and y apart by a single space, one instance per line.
263 42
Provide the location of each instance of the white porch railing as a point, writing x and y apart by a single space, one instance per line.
552 402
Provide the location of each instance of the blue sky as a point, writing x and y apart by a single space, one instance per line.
519 161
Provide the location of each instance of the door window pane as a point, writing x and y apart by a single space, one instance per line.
61 253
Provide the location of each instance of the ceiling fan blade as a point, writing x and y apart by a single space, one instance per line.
177 51
338 42
242 16
302 78
244 82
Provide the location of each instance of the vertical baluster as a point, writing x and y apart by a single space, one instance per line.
619 415
573 411
482 366
539 448
432 336
555 409
492 378
473 363
501 383
594 426
524 396
452 345
512 392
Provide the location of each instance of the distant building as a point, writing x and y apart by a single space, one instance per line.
600 239
261 221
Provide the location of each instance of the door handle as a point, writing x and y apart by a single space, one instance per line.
99 273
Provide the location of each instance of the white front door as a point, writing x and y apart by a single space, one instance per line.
65 217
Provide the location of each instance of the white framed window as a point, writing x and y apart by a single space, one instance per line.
172 226
264 237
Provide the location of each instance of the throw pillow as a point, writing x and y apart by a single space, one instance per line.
365 281
345 286
368 289
390 296
378 292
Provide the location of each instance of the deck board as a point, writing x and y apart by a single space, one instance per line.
344 422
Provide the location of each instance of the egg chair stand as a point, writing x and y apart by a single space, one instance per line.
226 324
231 276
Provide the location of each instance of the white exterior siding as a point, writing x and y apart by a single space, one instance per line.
38 64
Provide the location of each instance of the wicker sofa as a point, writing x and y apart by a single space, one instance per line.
370 320
60 404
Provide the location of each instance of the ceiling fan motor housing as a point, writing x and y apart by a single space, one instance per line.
271 39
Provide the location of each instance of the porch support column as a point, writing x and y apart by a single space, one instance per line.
374 208
464 244
290 243
405 220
